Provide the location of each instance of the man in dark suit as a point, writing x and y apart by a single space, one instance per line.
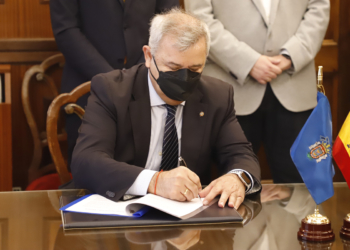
139 121
98 37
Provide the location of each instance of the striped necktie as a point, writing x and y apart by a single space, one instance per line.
170 141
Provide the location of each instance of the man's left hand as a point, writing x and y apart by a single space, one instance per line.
284 64
229 186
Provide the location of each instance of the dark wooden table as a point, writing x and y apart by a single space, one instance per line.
32 221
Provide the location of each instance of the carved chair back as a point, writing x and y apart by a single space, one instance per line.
40 86
51 126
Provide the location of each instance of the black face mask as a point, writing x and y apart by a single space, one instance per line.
177 85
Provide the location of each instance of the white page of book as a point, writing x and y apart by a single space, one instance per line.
97 204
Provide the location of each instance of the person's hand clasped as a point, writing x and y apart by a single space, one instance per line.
285 63
229 186
265 69
179 184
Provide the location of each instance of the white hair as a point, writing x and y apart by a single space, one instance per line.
187 29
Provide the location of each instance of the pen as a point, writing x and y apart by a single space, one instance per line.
183 163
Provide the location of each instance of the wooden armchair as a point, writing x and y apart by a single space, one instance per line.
51 125
40 86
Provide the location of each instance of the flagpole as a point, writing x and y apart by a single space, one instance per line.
316 217
316 227
320 80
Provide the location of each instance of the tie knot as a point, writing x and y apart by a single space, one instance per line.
171 109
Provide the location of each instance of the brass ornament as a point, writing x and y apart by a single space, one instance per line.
316 228
316 218
347 217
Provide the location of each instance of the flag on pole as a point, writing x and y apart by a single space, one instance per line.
341 150
311 151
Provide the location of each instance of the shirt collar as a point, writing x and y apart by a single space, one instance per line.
154 97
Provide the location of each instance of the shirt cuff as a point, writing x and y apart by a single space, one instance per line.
255 187
291 70
140 185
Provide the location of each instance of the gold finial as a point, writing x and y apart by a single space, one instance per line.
316 218
320 80
347 217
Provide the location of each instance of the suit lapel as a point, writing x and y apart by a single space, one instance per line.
140 114
193 128
261 9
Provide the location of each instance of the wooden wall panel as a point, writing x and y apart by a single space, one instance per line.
25 19
344 62
5 133
5 147
26 39
333 26
22 142
26 50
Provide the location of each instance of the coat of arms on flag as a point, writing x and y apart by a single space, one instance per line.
320 150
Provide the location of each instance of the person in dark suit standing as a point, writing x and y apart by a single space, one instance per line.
138 122
98 37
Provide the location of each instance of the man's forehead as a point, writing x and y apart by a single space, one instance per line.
170 44
169 54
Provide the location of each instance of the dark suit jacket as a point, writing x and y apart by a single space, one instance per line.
114 138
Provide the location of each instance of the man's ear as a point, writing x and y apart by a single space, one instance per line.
148 56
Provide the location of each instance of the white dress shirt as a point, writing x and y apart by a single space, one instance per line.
158 118
267 8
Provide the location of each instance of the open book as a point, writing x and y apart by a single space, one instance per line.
97 204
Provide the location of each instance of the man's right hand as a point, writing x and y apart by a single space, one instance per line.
265 69
174 183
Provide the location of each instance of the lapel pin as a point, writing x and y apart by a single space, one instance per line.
201 114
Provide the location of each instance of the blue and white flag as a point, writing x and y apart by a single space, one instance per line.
312 151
